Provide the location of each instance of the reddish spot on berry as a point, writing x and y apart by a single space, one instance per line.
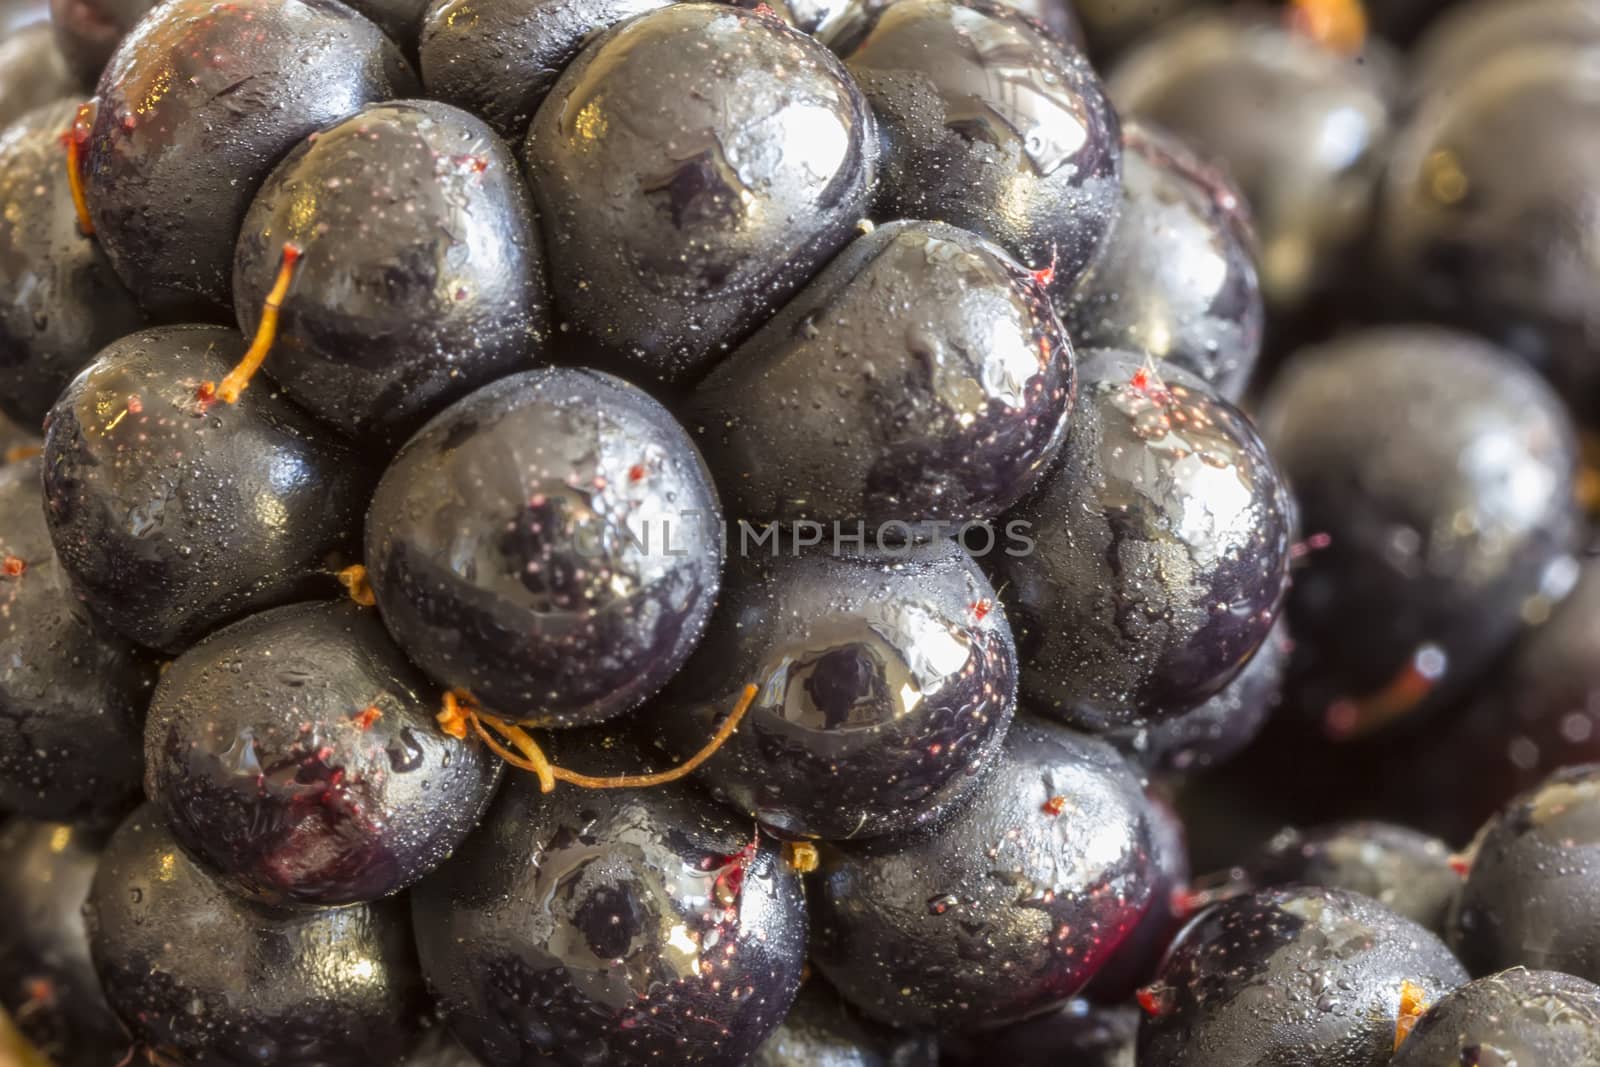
636 472
41 991
1462 865
325 753
135 405
1140 379
13 567
980 609
765 10
730 882
367 717
1042 278
1315 543
1054 806
206 393
1156 1000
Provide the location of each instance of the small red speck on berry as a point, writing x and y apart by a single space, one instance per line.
367 717
981 608
1054 806
1462 865
1140 379
1156 1000
13 567
636 472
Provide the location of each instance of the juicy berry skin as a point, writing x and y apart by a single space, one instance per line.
921 376
1058 16
1521 132
1007 912
195 108
47 984
1141 951
269 766
500 58
693 168
823 1031
88 31
887 685
204 977
1220 728
1527 900
990 124
1407 872
624 927
550 544
1162 550
1178 277
1265 103
1302 975
1077 1033
32 73
174 514
421 280
1440 471
62 303
72 694
1516 1016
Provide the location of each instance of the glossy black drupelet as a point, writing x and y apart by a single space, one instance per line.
693 168
991 124
550 544
1514 1017
60 301
1161 555
1301 128
1301 976
201 976
422 278
1486 203
1222 727
1406 871
1529 899
621 927
887 682
1077 1033
1440 471
1139 954
173 513
500 58
88 31
1178 276
47 984
1011 909
72 694
195 108
823 1031
296 754
922 376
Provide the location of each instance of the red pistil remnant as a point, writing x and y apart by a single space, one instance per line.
1461 864
980 609
517 747
238 379
354 579
730 882
1315 543
371 714
1054 806
765 10
12 567
1413 1002
1042 278
1140 379
636 472
1156 1000
77 142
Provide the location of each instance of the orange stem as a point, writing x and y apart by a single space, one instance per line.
77 142
238 379
354 579
524 753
